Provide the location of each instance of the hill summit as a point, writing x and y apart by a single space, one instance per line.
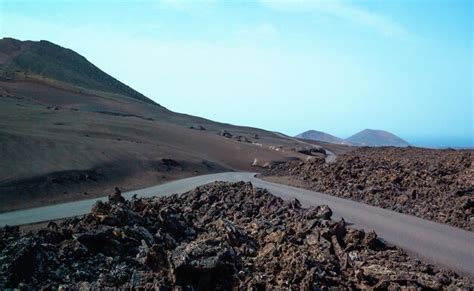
321 136
366 137
376 138
48 62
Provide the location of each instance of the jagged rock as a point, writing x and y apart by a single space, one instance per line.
204 264
321 212
311 151
372 242
117 196
294 204
225 133
219 236
241 138
431 184
21 261
198 127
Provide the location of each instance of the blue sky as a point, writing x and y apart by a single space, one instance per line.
336 66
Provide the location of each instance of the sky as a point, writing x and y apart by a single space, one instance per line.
290 66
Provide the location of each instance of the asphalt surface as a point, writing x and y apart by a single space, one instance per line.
438 243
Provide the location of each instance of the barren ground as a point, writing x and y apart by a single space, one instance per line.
432 184
61 144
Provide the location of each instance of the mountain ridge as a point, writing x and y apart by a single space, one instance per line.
377 137
321 136
45 61
366 137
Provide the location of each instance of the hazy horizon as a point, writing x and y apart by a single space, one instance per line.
337 67
426 141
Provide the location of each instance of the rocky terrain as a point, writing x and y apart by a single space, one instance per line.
219 236
431 184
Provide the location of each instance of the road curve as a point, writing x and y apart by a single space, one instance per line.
439 243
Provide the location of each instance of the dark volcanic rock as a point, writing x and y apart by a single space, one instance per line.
204 264
225 133
198 127
311 151
241 138
431 184
220 236
117 196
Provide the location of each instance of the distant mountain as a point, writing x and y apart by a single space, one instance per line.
372 137
321 136
45 61
367 137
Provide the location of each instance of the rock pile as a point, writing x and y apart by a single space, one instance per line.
431 184
220 236
197 127
311 151
117 196
241 138
225 133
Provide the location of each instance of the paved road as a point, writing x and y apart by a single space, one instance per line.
436 242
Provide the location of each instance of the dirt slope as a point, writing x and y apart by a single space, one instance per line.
71 137
46 153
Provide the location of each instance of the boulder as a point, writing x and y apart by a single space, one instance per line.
225 133
117 196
